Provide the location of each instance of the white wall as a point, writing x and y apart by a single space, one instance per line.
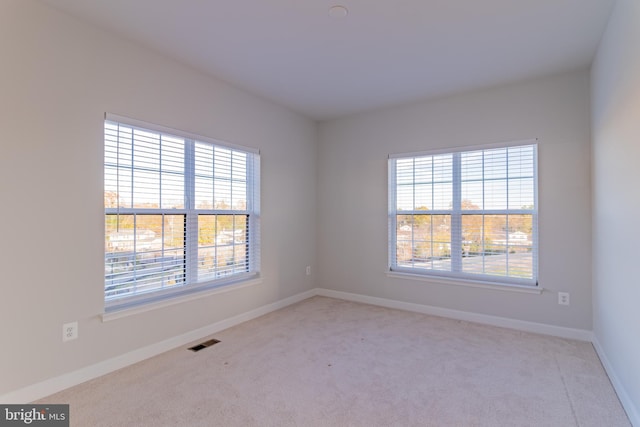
57 78
352 194
616 201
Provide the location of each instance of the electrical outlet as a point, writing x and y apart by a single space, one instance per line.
69 331
308 270
563 298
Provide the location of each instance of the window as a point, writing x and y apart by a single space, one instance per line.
466 214
181 213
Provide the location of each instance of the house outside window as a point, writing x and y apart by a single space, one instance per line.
181 213
466 214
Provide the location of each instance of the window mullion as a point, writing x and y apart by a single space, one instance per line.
484 208
506 237
160 205
392 213
118 175
133 165
413 217
432 205
456 216
191 220
534 215
254 217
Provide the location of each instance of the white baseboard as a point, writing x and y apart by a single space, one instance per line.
521 325
54 385
633 412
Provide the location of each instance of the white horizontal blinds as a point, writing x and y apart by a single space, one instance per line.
144 247
145 169
423 201
467 213
178 211
224 189
221 178
143 253
498 203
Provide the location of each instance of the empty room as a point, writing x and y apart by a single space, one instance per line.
319 213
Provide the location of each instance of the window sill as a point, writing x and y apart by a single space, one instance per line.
468 283
144 307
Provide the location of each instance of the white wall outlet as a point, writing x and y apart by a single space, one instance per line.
308 270
69 331
563 298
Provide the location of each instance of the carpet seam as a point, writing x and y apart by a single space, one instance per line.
566 391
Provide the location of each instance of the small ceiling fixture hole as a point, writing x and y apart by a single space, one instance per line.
338 11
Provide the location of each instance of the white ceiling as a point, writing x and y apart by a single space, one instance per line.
383 53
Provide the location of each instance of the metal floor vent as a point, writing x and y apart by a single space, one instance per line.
205 344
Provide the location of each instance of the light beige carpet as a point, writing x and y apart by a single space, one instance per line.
326 362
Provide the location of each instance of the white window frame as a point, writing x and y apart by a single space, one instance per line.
192 285
456 275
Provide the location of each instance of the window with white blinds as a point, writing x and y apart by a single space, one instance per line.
466 214
181 213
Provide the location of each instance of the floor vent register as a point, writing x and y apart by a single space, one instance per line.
203 345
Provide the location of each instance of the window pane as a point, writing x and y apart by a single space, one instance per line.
520 230
405 171
423 241
472 195
111 197
172 186
146 189
117 174
521 264
203 167
488 248
442 168
223 246
239 180
422 254
172 154
172 172
472 166
521 193
221 180
404 198
521 162
404 239
473 243
484 244
495 163
423 197
439 242
424 183
204 193
423 170
143 169
495 194
471 174
222 193
442 196
143 253
520 246
495 244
